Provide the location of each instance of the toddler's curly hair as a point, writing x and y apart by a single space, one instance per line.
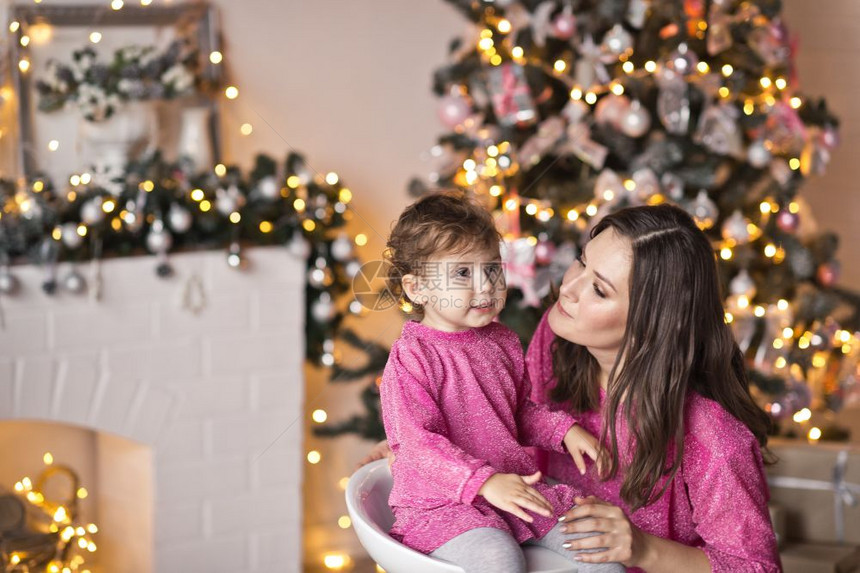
439 224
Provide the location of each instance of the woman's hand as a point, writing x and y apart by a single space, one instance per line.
623 541
580 443
513 493
379 451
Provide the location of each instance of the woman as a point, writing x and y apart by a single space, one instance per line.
636 348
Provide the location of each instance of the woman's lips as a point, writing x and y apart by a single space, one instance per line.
561 310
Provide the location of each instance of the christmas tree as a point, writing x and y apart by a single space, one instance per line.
561 111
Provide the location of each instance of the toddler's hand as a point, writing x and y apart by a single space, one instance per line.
513 493
378 452
579 442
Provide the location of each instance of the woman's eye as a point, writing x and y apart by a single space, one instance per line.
579 260
598 292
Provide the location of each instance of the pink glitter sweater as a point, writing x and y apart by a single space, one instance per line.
456 411
717 500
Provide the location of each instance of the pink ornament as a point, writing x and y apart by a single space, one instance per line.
828 273
610 109
564 26
787 221
544 252
453 110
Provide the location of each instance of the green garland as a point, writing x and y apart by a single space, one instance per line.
159 207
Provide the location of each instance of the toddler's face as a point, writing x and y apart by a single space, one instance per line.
462 291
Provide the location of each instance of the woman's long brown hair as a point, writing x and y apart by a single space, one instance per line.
676 341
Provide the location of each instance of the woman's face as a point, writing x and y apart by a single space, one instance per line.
592 305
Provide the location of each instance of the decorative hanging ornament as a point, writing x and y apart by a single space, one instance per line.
70 236
609 187
74 282
92 212
758 154
179 218
268 188
323 309
564 25
637 10
453 109
341 248
9 283
636 121
736 228
610 109
828 273
235 259
298 246
703 210
616 43
673 101
320 275
718 130
159 239
646 186
743 285
673 186
544 250
229 200
512 99
787 221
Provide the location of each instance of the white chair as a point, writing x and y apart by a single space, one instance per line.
367 503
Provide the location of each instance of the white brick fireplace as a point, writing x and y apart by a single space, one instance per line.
216 397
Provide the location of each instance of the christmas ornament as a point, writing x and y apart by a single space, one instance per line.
179 218
92 212
610 109
320 276
355 307
564 25
801 262
268 188
736 228
589 66
616 43
544 250
828 273
352 268
637 10
549 132
74 282
743 285
70 236
718 130
453 110
785 130
787 221
758 154
323 309
298 246
719 37
511 97
636 121
159 239
518 257
579 143
769 44
576 110
341 248
234 256
229 200
673 186
682 61
673 102
703 210
609 187
9 283
646 187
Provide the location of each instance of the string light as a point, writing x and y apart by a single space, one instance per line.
95 37
246 129
231 92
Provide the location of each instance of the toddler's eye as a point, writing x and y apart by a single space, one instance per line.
463 273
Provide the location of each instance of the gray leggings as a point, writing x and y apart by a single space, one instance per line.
490 550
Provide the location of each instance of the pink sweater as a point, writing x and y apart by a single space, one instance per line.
456 411
717 500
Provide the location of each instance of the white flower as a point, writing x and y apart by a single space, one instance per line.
179 76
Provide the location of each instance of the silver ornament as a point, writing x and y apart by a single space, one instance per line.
299 246
74 282
92 212
341 248
9 283
743 284
234 256
179 218
323 309
159 239
70 236
352 268
682 61
268 188
636 121
618 41
736 228
703 210
758 154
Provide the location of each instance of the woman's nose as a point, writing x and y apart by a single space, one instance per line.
570 288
